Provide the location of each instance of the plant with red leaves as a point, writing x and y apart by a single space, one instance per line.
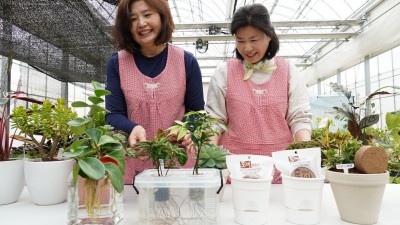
5 139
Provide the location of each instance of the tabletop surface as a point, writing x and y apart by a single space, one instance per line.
25 212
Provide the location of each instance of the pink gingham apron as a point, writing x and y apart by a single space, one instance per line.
257 112
154 103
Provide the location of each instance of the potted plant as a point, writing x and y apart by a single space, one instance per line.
12 189
45 126
183 193
356 166
96 184
165 153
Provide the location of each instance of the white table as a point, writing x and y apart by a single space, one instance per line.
25 212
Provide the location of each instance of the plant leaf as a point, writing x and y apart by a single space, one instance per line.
369 121
94 134
115 175
79 104
92 167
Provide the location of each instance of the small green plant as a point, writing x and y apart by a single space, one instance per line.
161 151
304 144
200 127
337 147
45 126
213 156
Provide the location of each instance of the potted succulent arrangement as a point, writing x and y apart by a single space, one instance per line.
95 194
12 189
350 167
46 127
192 194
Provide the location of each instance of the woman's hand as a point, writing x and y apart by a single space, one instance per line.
302 135
138 134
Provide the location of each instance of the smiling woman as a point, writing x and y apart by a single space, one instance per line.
152 83
265 88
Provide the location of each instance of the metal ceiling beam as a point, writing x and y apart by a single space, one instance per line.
296 64
334 35
224 58
292 23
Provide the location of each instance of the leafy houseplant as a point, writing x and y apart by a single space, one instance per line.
99 155
161 151
200 127
47 120
357 113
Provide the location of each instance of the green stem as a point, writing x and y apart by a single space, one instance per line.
196 165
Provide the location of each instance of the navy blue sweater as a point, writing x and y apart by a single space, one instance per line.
151 67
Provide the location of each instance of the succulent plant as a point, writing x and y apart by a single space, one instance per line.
213 156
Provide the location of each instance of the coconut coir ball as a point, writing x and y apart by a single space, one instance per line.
371 160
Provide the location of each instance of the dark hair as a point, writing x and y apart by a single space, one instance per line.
256 15
121 31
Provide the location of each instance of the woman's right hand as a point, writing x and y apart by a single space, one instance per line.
138 134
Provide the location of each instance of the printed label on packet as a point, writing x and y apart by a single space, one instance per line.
250 170
245 164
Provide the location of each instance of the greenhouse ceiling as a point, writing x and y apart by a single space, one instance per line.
70 39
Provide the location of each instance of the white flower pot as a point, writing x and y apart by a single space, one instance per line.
251 200
47 182
303 199
358 196
12 180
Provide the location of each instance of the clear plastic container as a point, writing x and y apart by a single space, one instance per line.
179 198
93 202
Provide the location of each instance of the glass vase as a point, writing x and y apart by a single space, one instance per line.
93 202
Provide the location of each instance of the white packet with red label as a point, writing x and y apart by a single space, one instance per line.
250 166
305 163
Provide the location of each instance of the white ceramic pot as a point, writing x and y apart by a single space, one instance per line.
47 182
12 180
358 196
